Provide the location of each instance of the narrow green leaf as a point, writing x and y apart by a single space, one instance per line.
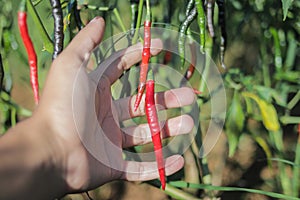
286 4
285 161
183 184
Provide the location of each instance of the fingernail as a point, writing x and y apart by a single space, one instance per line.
95 19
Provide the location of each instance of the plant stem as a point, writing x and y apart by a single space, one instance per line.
296 169
48 45
294 101
117 14
176 193
278 58
265 67
290 120
276 138
138 23
148 11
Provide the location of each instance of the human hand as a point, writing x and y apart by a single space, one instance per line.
81 118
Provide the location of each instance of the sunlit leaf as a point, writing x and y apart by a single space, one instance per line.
268 112
286 4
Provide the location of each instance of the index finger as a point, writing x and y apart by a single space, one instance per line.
117 63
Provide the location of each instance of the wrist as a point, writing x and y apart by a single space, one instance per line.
31 169
47 161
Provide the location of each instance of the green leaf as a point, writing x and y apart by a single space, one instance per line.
264 92
267 94
286 4
235 122
48 45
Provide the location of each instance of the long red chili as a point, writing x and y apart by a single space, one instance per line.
145 62
153 123
32 58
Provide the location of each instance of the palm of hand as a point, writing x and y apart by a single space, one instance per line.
84 120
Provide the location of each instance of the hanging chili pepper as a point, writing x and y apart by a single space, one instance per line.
210 16
201 23
32 58
190 71
166 37
189 7
167 57
58 27
182 34
145 58
153 123
72 9
134 15
223 38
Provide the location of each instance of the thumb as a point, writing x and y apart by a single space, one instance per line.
83 43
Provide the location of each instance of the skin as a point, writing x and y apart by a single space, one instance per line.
43 157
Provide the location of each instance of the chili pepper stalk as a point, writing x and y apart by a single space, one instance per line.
153 123
32 58
145 57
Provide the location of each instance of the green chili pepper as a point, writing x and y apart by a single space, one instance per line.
210 16
182 34
189 7
223 39
278 58
201 23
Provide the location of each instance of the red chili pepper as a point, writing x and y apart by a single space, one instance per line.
167 57
152 118
190 71
145 62
32 58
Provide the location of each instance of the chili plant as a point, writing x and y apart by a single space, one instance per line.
261 41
